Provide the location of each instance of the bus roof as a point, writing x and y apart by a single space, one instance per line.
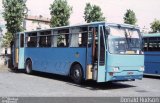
152 35
86 24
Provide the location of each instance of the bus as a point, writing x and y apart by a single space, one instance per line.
96 51
151 47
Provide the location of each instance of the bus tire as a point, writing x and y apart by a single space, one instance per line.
28 68
76 74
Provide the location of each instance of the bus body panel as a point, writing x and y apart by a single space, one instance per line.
101 74
152 63
152 54
128 67
125 60
56 60
21 63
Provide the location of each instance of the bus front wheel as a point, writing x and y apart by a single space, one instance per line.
76 74
29 67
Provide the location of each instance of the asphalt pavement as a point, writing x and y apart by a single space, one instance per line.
19 84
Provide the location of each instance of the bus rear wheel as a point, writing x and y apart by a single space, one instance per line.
29 67
76 74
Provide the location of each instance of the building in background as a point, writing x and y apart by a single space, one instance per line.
30 23
36 22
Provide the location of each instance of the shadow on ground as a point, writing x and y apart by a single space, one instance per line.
92 85
152 76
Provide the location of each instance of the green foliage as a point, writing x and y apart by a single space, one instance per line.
7 38
130 17
14 13
93 13
60 13
155 26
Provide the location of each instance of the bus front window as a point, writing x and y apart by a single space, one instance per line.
124 41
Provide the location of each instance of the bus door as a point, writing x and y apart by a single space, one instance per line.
21 52
101 55
15 52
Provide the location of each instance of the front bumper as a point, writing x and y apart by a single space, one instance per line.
124 76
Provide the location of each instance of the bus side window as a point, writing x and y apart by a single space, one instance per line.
149 45
145 45
32 40
22 40
85 37
63 38
80 36
81 40
45 39
158 43
153 44
75 37
61 41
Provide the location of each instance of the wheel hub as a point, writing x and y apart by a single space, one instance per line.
76 73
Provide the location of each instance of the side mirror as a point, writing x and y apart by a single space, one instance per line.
107 30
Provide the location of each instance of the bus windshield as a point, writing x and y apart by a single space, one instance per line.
124 41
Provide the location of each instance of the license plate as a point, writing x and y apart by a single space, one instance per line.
130 73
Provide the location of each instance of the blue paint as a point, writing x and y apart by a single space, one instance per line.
21 50
21 58
101 68
152 63
126 64
56 60
59 60
152 57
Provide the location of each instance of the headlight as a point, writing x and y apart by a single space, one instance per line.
142 52
142 68
115 69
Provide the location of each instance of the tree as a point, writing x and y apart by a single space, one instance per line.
155 26
60 13
7 38
130 17
1 32
93 13
14 13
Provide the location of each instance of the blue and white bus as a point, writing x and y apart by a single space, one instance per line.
95 51
152 53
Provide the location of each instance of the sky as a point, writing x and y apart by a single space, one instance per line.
146 10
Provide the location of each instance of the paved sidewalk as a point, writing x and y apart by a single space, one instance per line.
3 68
